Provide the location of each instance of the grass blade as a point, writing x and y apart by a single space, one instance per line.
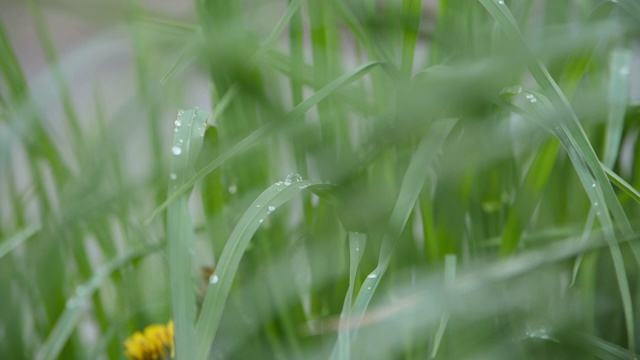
357 243
449 279
7 245
622 184
189 126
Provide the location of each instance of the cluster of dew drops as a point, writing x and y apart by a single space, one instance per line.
176 149
281 185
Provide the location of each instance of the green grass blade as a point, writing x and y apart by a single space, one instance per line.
7 245
585 236
412 184
190 127
622 184
412 12
357 243
227 266
606 350
69 319
275 34
528 196
449 279
619 85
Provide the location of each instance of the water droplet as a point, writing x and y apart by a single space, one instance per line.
501 2
534 100
357 249
624 71
292 178
234 189
203 129
368 287
175 130
598 213
271 208
180 112
177 122
595 203
372 276
213 279
593 185
529 96
173 176
176 150
260 221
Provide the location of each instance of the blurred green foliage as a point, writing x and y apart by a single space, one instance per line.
377 180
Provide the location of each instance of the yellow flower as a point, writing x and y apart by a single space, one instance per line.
155 343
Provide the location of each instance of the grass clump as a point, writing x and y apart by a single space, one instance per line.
361 180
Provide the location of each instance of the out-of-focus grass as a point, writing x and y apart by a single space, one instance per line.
470 176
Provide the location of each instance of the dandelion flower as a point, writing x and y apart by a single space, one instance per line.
154 343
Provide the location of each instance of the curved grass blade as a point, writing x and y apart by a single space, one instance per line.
606 350
622 184
275 34
186 56
226 268
357 243
449 279
6 246
259 135
631 6
69 319
189 127
412 184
